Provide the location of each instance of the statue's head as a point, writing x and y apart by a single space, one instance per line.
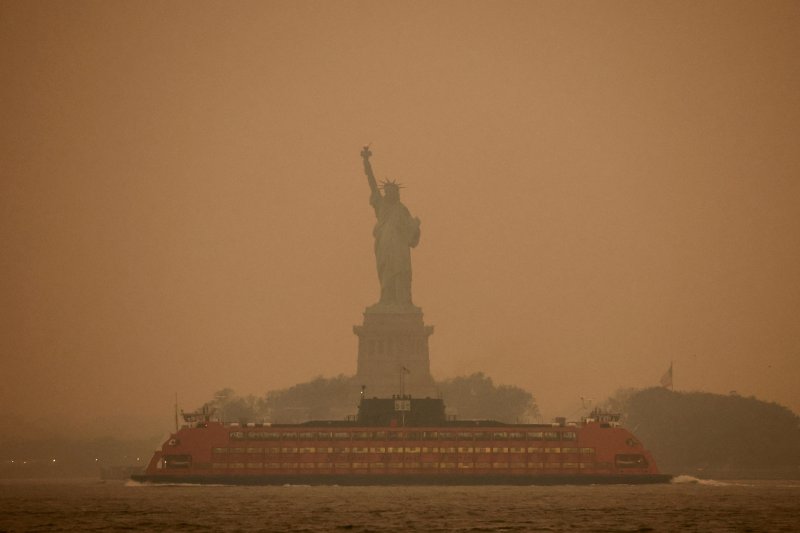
391 190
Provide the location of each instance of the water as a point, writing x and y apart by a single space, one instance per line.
686 505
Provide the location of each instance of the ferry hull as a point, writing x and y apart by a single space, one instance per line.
387 480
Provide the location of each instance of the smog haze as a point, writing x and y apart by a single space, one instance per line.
604 189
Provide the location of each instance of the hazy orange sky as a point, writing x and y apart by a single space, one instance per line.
604 187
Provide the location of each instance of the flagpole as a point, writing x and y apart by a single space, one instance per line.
666 380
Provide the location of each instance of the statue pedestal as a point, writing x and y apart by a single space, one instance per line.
390 340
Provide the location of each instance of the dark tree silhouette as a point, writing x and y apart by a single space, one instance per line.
704 433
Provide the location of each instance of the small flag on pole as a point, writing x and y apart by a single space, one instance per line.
666 379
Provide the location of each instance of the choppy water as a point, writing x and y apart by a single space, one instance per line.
688 505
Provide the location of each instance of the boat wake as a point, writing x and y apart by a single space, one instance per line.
685 479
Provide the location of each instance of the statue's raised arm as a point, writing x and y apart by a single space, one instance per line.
373 185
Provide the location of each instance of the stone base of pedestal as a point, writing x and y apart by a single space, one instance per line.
393 353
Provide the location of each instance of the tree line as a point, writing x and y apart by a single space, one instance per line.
713 435
469 397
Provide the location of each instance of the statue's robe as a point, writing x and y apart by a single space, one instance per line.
395 232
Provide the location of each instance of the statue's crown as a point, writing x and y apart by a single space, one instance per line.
391 184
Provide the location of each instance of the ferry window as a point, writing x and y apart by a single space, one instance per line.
430 435
219 450
395 435
379 435
306 436
630 460
237 435
324 435
482 435
516 435
413 435
465 435
289 436
500 435
341 435
177 461
551 435
569 450
569 435
447 435
237 450
360 435
255 450
587 450
535 435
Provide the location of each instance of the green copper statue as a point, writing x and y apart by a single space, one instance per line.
395 232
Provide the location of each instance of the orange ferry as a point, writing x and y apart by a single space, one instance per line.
402 440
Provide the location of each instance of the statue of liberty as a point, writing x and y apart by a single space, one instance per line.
395 232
